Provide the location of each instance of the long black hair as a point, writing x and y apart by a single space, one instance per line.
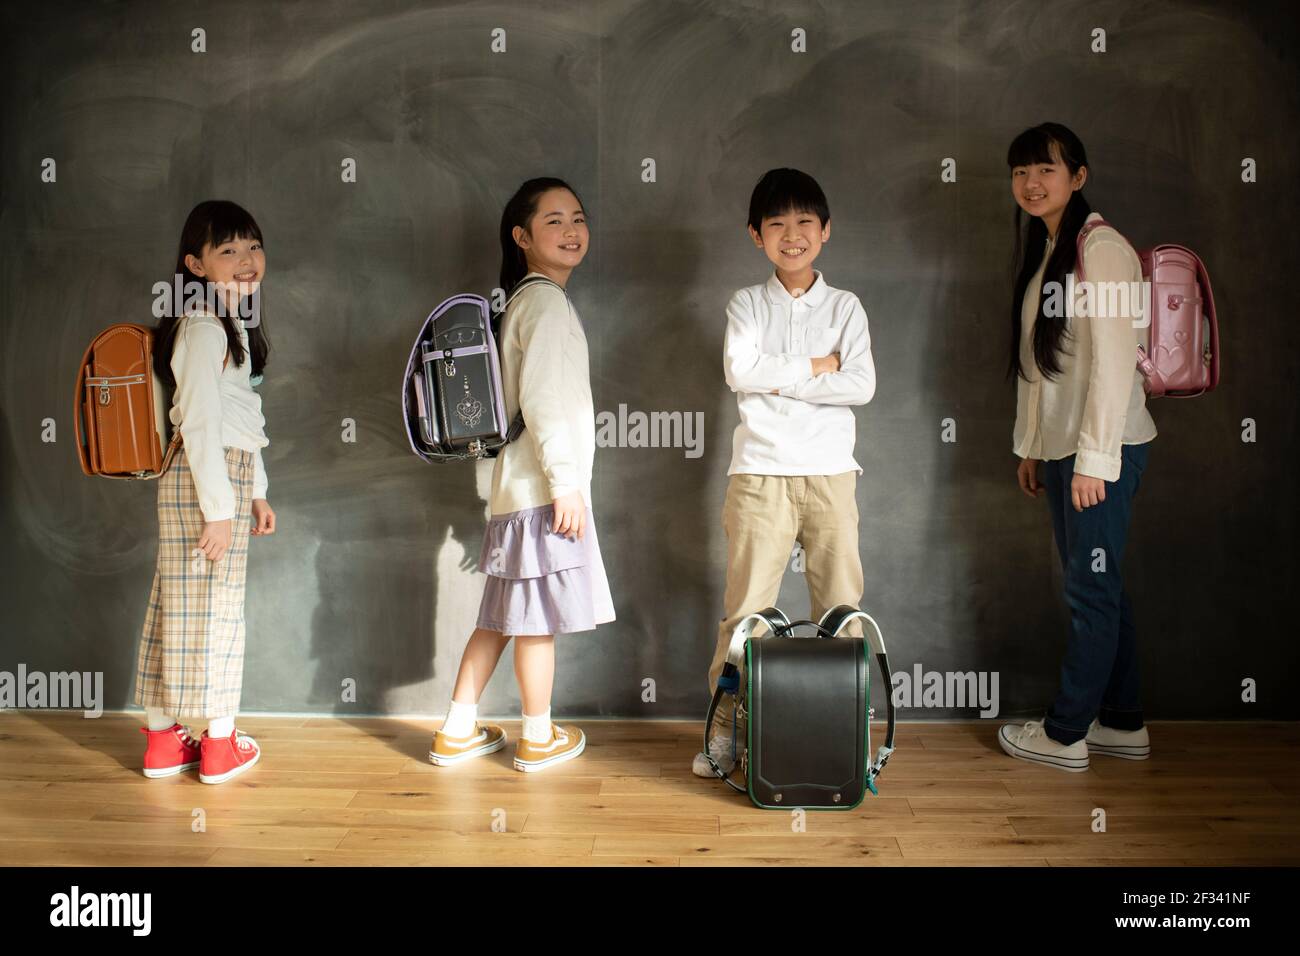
211 223
1032 147
518 212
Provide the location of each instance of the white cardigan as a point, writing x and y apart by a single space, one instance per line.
544 372
215 409
1097 403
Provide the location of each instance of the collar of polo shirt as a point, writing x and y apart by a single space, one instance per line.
812 297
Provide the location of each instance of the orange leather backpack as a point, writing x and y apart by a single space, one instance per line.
120 407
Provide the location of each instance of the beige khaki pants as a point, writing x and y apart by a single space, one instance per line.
763 516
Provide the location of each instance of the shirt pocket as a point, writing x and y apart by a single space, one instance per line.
819 342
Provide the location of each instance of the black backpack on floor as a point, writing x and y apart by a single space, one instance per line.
808 705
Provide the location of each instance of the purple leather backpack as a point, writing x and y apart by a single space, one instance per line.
453 405
1183 358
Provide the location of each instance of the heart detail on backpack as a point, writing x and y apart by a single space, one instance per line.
1180 336
470 410
1173 359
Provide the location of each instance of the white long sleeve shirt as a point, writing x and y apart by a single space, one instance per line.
807 427
545 372
215 409
1098 402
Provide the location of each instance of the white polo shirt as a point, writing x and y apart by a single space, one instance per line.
791 421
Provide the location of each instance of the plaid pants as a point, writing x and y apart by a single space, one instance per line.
191 660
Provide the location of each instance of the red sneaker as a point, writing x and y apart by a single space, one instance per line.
226 757
170 751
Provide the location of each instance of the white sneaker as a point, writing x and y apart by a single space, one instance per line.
1029 741
719 750
1129 744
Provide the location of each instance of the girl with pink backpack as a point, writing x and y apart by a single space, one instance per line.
1082 434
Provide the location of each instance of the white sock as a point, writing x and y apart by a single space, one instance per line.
221 727
460 719
158 719
538 729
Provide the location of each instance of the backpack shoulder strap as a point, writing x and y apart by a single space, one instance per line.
78 410
517 426
528 281
1085 231
729 679
835 621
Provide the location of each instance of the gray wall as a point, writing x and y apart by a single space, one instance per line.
367 577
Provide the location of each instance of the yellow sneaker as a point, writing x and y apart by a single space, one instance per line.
447 750
565 744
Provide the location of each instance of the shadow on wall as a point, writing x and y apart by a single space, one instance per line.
657 510
406 592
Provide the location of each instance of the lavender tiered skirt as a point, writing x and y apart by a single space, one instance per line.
540 582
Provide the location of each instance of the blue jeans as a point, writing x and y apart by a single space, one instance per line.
1099 676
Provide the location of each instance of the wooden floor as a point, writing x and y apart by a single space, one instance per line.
333 791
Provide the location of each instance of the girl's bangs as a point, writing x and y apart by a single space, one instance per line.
230 221
1030 148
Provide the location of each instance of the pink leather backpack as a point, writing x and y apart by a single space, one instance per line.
1183 359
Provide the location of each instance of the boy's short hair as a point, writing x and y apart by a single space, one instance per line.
786 190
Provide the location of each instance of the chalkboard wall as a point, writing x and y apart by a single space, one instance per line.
370 577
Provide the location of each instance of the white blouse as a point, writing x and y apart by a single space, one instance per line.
215 409
1097 403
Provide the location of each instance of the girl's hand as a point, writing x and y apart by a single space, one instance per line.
214 542
263 517
1086 491
570 515
1027 476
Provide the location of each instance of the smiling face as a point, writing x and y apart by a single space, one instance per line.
236 267
1044 189
792 240
555 241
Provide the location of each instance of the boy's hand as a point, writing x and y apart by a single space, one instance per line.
214 542
826 363
263 517
820 364
570 515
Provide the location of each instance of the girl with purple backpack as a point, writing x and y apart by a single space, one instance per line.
1081 414
540 553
